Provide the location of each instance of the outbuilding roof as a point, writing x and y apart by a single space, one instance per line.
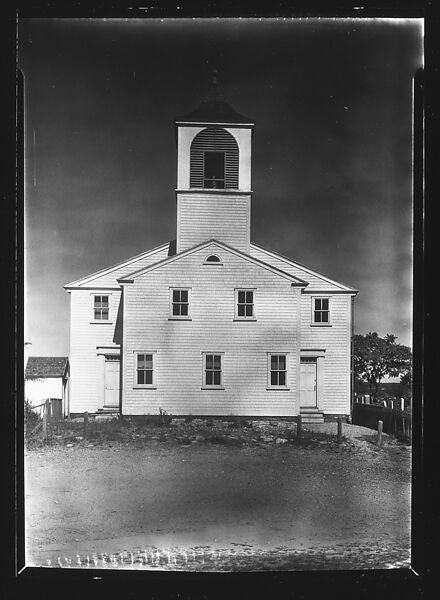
46 366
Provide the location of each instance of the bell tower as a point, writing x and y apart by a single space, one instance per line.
213 174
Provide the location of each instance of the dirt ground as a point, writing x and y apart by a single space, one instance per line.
199 496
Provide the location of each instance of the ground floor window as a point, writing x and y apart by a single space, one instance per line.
144 368
212 370
277 375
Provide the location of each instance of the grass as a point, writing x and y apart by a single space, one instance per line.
229 430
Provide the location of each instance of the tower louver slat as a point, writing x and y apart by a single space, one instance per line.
214 140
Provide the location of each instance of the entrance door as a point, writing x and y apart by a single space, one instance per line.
111 383
307 383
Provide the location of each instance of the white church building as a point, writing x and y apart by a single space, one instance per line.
211 324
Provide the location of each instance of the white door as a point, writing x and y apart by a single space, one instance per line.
307 383
111 384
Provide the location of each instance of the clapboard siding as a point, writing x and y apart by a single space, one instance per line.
109 276
85 374
179 344
335 340
204 217
314 280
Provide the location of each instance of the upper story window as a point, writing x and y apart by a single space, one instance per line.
244 304
213 259
179 303
101 308
320 311
214 158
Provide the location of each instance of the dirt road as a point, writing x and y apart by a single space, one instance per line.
207 506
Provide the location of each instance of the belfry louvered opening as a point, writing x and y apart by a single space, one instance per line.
214 160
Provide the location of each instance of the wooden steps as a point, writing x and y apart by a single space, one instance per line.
311 416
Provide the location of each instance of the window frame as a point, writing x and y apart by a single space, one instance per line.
315 323
206 386
270 385
173 317
146 386
109 319
238 317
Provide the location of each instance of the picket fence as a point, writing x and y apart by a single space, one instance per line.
396 422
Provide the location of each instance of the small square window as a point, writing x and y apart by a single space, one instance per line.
179 303
101 308
321 311
245 304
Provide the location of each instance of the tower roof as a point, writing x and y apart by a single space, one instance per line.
214 109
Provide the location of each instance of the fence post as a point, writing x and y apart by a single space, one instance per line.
298 429
86 423
339 429
44 430
379 433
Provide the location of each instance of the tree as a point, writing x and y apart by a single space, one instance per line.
376 358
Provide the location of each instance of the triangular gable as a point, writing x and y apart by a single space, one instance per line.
110 275
316 280
218 246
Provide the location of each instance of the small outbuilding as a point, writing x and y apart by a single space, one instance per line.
47 377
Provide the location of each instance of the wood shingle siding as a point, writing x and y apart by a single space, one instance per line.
218 140
178 345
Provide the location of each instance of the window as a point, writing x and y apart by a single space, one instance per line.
101 308
212 376
213 259
321 311
277 370
244 304
179 308
214 170
144 369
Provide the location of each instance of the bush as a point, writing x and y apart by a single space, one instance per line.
31 417
165 418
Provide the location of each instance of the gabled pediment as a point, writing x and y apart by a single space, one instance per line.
207 249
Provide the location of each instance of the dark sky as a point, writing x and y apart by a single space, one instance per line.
332 181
